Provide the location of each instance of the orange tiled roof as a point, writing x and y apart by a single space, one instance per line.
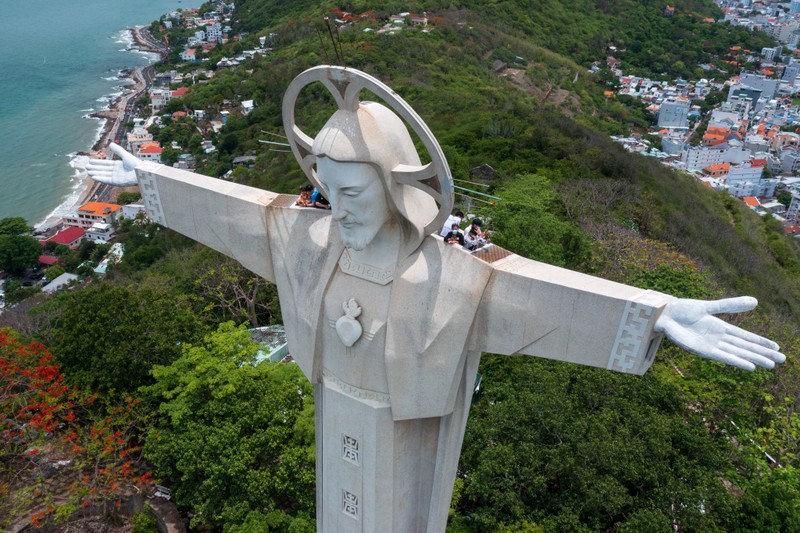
752 201
98 208
718 166
150 148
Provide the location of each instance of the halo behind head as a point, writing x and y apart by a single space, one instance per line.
372 133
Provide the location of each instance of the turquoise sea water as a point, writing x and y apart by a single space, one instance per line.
60 61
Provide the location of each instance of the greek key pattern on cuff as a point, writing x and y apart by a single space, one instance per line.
636 321
150 197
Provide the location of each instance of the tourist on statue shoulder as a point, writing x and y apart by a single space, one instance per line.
305 196
454 236
476 237
317 200
454 218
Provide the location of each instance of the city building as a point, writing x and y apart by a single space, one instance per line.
88 214
674 113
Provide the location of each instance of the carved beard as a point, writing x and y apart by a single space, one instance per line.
358 237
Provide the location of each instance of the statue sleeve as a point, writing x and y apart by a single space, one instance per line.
227 217
532 308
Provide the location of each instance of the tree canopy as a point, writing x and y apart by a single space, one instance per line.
18 253
234 437
108 337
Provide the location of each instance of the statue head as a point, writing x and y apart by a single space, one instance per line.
356 152
367 135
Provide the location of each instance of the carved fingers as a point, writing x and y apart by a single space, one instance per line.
119 173
691 325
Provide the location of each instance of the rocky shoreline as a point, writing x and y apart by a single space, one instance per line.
114 115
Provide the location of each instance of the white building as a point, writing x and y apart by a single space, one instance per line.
767 86
700 157
100 232
132 210
746 172
137 138
674 113
214 33
159 98
760 188
794 207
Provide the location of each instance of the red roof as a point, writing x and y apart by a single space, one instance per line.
48 260
68 235
180 91
755 163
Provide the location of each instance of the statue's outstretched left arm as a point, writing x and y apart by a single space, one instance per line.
691 324
532 308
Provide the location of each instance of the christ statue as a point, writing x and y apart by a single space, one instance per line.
388 321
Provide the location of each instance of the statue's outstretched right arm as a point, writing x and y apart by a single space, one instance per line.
227 217
117 172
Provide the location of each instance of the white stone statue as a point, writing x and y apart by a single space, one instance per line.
388 321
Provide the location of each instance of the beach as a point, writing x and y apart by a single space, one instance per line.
112 117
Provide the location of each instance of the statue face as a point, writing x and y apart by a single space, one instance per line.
357 198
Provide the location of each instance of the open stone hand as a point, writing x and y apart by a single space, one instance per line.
119 173
691 325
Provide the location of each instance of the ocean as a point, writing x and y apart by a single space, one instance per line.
60 62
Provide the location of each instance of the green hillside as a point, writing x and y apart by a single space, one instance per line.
506 89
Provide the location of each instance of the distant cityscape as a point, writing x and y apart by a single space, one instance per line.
747 145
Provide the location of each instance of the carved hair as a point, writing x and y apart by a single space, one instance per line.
375 135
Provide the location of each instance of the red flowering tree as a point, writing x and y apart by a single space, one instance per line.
56 454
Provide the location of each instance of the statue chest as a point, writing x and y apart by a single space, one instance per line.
353 333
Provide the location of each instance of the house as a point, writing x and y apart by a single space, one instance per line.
48 260
246 160
159 98
774 207
752 202
186 162
70 236
101 232
150 152
132 210
717 171
88 214
189 55
179 92
247 106
137 138
59 283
